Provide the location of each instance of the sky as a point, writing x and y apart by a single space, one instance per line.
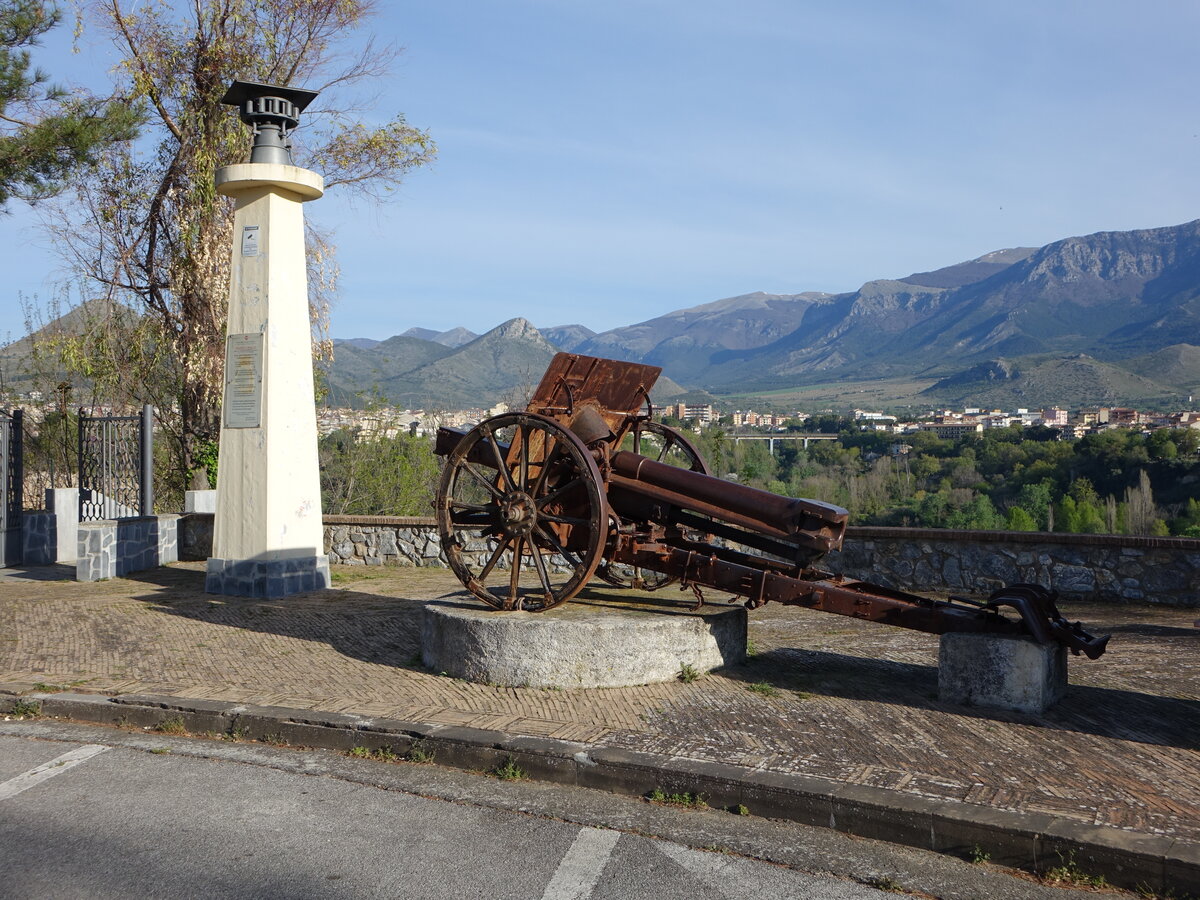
603 163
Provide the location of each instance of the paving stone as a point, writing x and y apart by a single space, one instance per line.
853 703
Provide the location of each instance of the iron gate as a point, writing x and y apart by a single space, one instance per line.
116 455
12 482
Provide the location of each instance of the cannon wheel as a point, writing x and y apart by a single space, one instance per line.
662 444
527 529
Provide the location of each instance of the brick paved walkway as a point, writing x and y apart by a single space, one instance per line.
844 700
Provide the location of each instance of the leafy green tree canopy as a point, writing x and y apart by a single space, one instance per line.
46 132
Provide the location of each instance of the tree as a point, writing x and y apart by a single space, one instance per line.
46 132
1140 509
978 515
1160 444
152 234
1020 520
370 474
1035 500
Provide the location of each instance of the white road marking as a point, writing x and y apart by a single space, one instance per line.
582 866
56 766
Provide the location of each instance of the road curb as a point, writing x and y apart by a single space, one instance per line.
1029 841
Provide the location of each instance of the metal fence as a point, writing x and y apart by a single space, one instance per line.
12 483
12 476
116 459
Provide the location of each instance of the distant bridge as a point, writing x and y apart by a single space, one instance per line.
772 438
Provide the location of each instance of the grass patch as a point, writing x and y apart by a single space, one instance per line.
887 883
688 673
418 754
383 754
26 709
763 689
159 750
172 725
43 688
978 855
1069 872
509 771
741 810
683 799
350 574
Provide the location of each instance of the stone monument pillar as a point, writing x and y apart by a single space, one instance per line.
268 539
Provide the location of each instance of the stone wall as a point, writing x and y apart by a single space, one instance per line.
1114 568
196 535
114 547
380 540
39 538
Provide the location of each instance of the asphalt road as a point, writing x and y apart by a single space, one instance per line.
97 812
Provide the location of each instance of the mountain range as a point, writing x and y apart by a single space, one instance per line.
1104 318
1107 318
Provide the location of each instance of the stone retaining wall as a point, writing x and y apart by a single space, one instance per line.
1115 568
379 540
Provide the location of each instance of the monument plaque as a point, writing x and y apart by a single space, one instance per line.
250 240
243 380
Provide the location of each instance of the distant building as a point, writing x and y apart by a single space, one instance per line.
1055 416
704 414
862 415
952 430
1123 416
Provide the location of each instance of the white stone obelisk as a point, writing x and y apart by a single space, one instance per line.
268 537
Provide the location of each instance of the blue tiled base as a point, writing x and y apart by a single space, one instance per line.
271 579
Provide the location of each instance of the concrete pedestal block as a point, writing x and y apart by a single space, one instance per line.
579 645
1001 671
64 503
200 501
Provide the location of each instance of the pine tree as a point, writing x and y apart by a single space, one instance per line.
46 132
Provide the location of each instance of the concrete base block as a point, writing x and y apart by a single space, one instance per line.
64 503
1001 671
268 578
200 501
579 645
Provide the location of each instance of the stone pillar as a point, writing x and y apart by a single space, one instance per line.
1001 671
267 537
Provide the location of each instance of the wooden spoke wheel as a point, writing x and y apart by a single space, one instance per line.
521 512
666 445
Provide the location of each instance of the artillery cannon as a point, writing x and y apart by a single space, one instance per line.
533 504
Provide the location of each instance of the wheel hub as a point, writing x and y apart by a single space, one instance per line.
518 513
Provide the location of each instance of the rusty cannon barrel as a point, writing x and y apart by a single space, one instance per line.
811 524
